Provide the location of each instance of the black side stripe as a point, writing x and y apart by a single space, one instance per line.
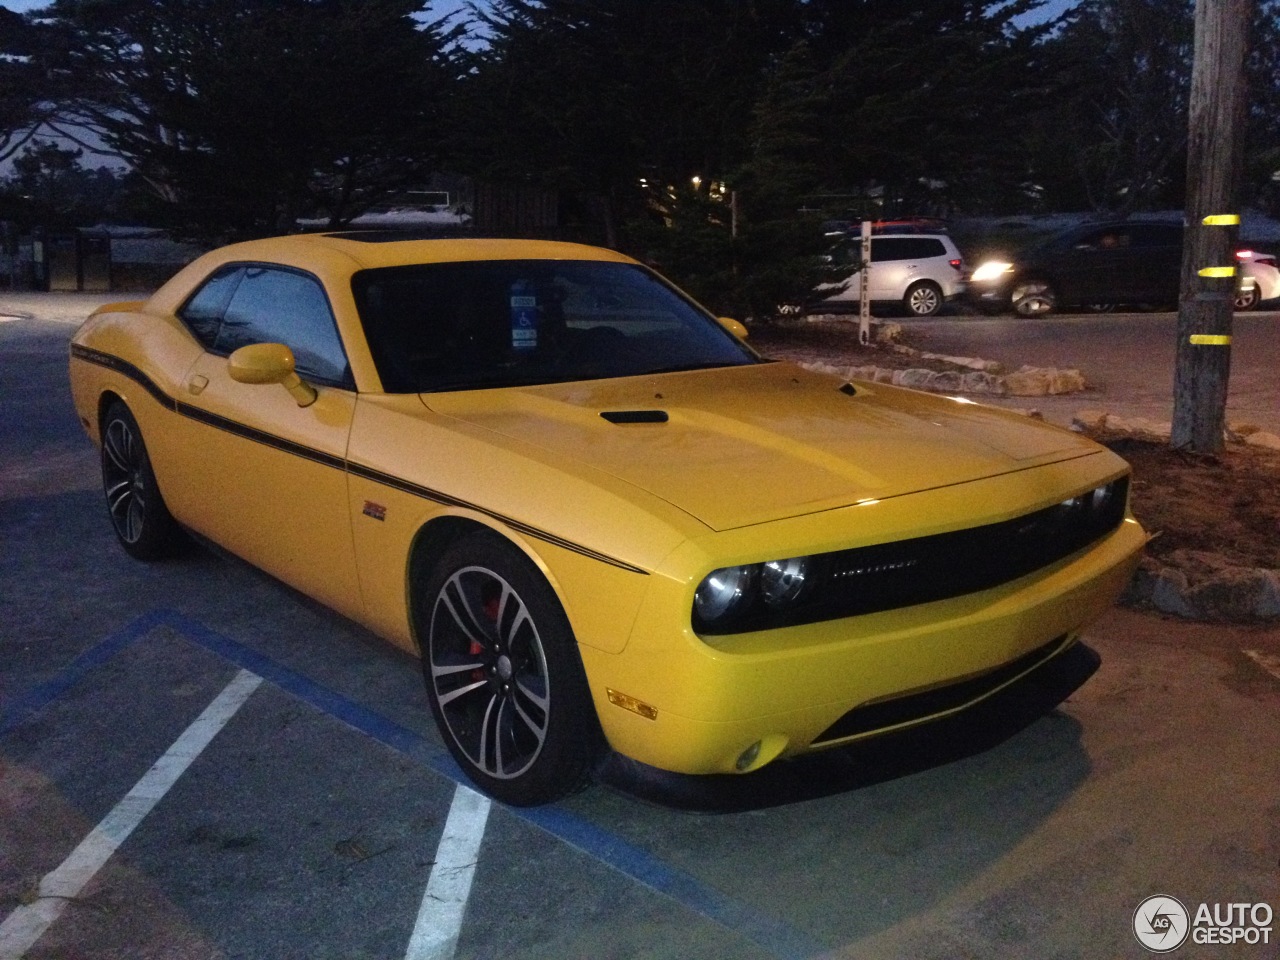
258 436
329 460
426 493
124 368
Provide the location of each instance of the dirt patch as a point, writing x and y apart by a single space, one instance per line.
1227 504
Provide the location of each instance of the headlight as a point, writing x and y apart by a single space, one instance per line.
991 270
734 598
783 581
722 592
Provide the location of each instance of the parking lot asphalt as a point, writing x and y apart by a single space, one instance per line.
197 762
1127 360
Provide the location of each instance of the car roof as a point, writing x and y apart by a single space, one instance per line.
387 248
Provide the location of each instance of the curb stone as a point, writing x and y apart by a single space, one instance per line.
972 378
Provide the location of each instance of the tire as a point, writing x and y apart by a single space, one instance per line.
1033 298
1247 300
923 299
503 675
141 521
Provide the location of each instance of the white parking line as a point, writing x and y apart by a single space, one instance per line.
22 928
435 935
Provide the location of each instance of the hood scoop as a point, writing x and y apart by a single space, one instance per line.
635 416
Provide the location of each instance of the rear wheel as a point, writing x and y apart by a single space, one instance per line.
142 522
1247 299
923 299
503 674
1033 298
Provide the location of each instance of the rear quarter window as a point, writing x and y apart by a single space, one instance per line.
905 248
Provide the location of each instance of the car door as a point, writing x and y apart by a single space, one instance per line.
1090 267
266 477
1157 263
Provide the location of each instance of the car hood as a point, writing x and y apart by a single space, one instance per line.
747 445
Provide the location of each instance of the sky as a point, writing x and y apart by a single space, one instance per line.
442 7
438 8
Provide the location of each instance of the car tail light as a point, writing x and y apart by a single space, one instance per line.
957 264
1265 259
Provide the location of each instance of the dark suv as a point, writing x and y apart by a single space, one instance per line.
1098 265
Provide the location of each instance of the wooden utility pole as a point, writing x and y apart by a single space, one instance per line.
1209 269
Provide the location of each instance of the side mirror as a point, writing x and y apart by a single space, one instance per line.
270 363
733 326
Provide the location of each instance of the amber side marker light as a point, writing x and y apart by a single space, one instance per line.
632 704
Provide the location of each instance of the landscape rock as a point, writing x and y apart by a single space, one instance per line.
1043 381
1197 585
1268 441
1139 427
973 363
987 383
1091 419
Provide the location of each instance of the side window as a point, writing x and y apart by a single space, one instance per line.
1157 235
280 306
885 248
203 312
1110 238
905 248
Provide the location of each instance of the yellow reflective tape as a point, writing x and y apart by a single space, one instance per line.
1222 220
1211 340
1218 272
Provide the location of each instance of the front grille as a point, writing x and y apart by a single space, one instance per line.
918 706
889 576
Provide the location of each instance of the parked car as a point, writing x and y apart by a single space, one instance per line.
591 509
1266 278
1093 266
919 272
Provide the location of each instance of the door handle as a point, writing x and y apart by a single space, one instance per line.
196 385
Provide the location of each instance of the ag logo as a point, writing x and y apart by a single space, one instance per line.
1161 924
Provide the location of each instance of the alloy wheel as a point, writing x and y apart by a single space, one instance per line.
489 672
124 479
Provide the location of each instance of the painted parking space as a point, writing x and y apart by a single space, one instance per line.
401 808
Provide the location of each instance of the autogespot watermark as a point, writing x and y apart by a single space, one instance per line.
1162 924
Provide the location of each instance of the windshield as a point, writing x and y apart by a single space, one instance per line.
500 323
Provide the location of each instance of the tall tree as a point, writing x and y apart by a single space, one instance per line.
927 101
1261 185
1113 136
590 96
244 115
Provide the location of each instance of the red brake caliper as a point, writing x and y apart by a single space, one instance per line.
490 611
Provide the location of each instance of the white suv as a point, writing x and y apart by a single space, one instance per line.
919 271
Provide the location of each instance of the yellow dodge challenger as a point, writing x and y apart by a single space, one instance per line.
599 518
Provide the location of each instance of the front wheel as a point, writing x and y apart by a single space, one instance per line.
923 299
503 674
142 522
1033 298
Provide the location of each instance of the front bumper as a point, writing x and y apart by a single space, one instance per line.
809 687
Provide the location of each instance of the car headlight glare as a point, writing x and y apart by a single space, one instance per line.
722 592
991 270
782 582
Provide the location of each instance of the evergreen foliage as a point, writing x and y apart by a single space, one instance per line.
243 116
